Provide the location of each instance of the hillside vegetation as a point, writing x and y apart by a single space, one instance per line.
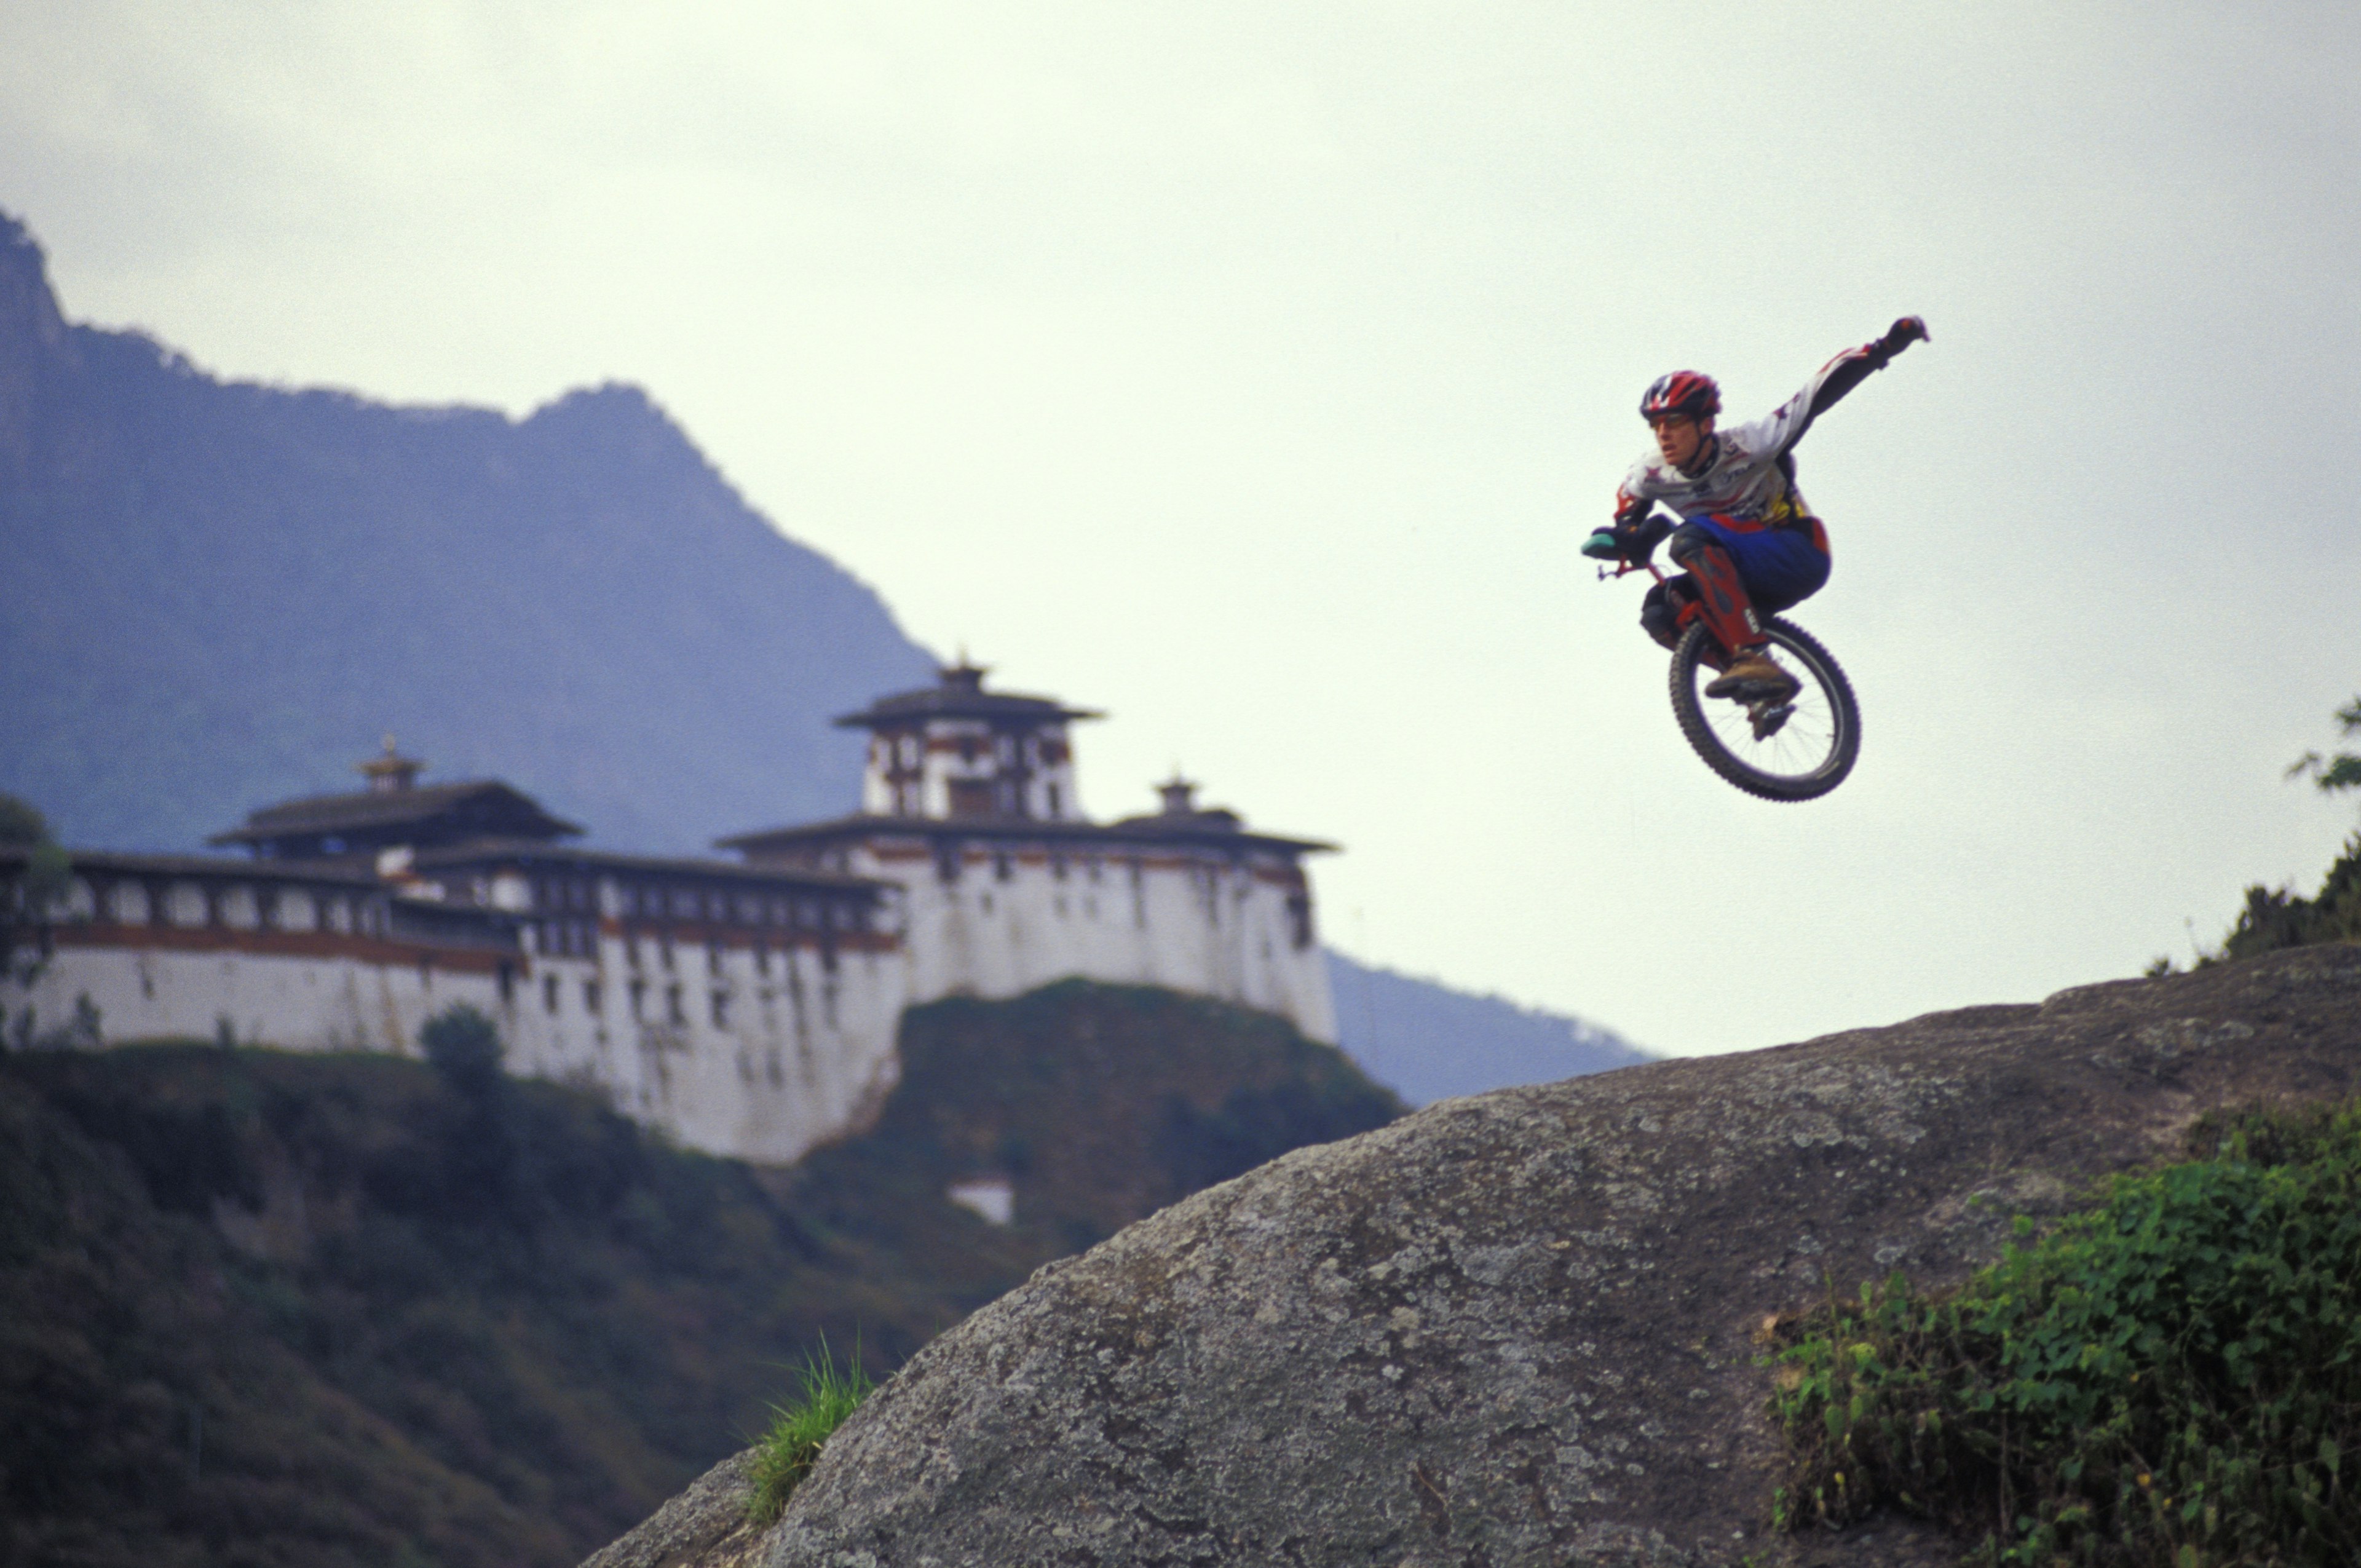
2170 1378
262 1308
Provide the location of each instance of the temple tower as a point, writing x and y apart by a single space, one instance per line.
954 752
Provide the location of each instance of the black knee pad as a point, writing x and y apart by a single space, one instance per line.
1658 615
1689 539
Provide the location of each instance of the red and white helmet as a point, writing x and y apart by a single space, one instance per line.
1691 394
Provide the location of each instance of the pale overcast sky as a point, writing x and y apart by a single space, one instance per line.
1253 371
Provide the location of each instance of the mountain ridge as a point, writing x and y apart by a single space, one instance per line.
1394 1023
223 592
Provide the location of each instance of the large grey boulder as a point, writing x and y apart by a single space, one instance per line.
1519 1328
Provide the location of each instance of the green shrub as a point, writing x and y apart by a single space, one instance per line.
789 1450
2275 919
464 1045
2172 1379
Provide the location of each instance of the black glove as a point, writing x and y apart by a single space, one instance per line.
1632 539
1902 334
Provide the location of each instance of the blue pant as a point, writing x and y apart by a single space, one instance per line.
1780 567
1777 566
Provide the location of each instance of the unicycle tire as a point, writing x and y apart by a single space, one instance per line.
1803 759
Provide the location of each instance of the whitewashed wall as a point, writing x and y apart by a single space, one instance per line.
1009 922
800 1051
310 1001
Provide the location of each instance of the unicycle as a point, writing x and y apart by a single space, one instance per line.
1796 750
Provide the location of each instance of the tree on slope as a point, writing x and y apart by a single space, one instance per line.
26 898
2278 917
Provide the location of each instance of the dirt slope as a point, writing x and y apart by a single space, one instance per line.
1517 1329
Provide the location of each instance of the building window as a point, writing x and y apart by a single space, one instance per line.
762 959
721 999
591 999
1003 868
549 992
639 998
674 1013
713 958
1055 810
663 949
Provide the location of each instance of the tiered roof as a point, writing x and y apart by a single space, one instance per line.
960 693
420 816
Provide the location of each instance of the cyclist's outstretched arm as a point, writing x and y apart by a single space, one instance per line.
1837 377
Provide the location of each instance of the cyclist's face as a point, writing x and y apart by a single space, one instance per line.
1678 437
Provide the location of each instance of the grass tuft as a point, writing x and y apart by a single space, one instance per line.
788 1451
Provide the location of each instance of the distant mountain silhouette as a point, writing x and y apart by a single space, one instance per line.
1427 1042
217 594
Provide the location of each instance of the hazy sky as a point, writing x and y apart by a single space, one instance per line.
1253 371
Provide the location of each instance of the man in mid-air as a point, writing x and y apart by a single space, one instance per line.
1746 542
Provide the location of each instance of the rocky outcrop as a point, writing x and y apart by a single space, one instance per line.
1519 1328
705 1527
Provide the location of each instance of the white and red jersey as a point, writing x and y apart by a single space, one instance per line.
1749 476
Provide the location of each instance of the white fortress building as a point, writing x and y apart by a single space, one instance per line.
968 808
749 1007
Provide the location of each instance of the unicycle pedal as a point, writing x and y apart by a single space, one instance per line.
1769 718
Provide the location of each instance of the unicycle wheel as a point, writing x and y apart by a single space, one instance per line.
1800 755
